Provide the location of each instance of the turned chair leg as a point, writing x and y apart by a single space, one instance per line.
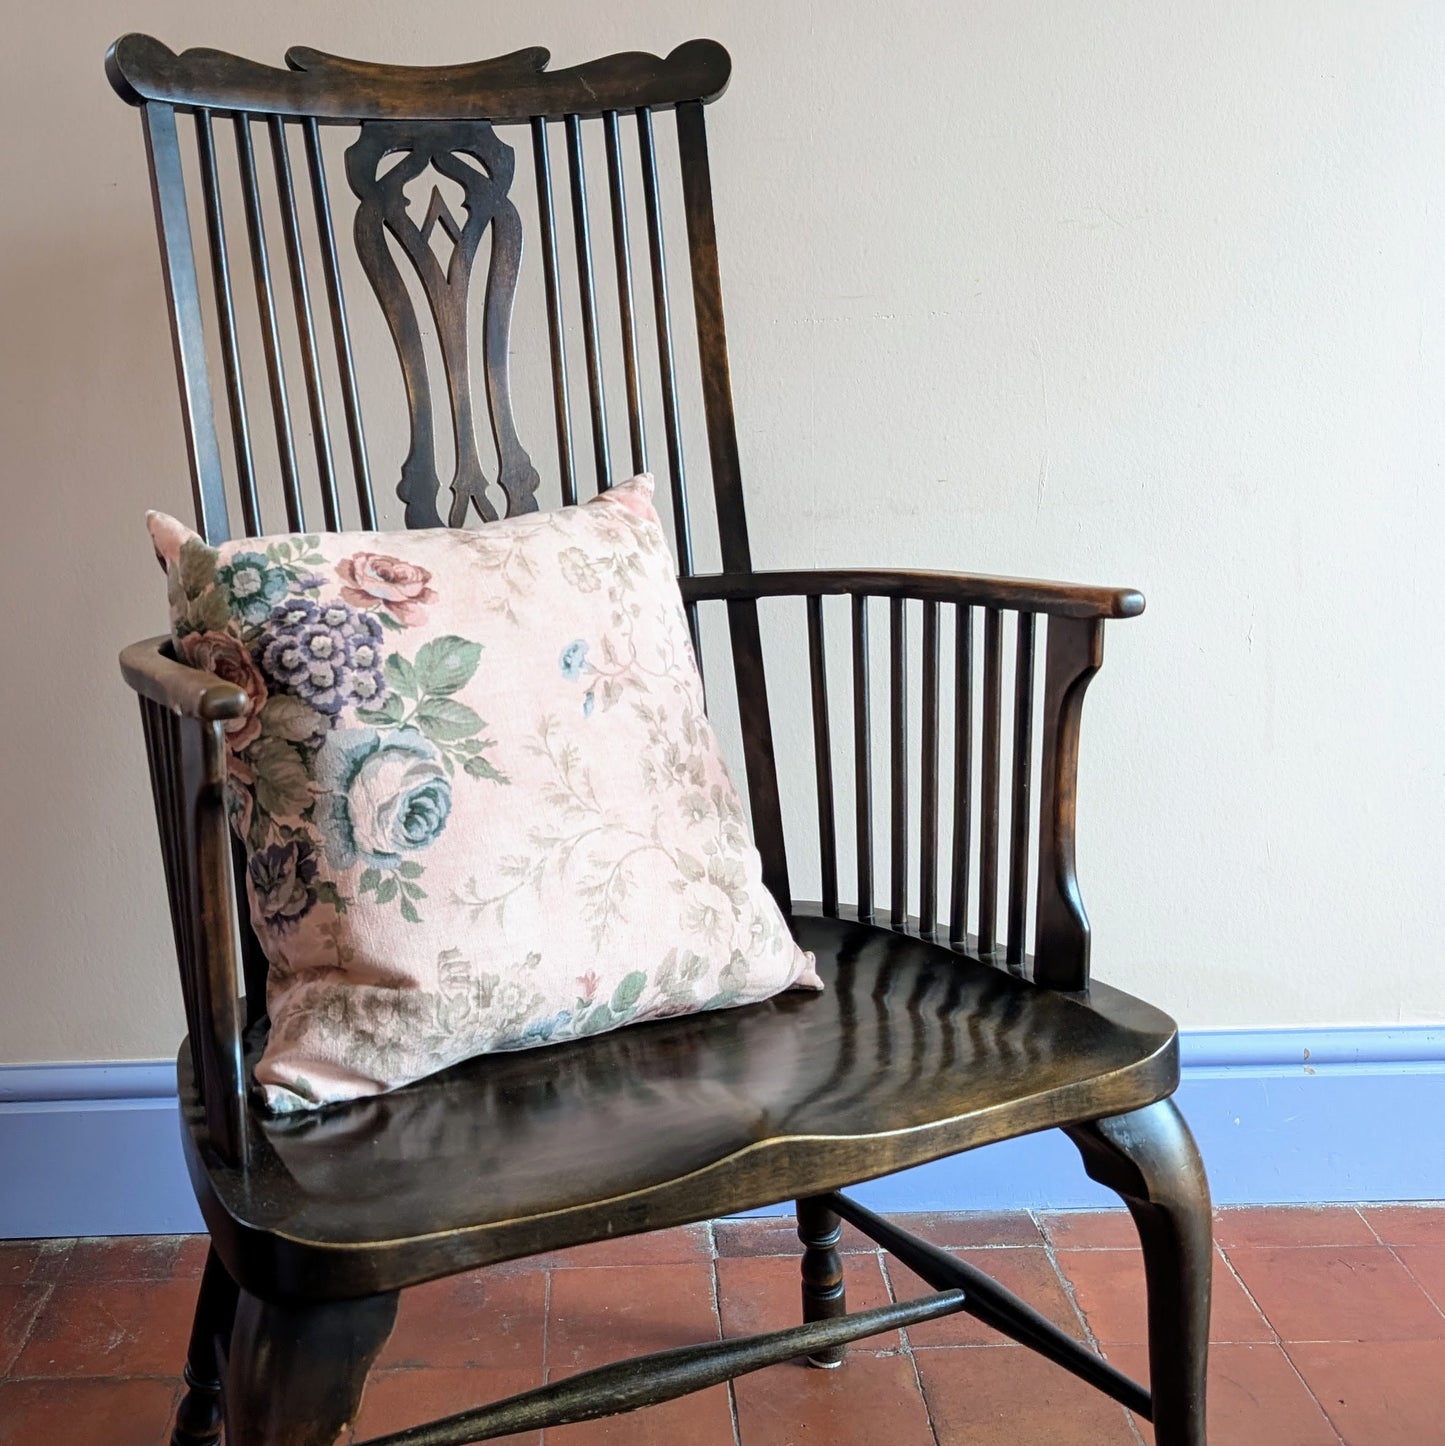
198 1420
823 1293
296 1373
1149 1158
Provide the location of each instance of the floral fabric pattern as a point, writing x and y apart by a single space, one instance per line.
482 806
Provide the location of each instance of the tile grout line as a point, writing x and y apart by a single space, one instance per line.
711 1232
1277 1339
1051 1251
906 1348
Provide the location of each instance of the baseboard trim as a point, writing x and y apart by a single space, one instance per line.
1282 1117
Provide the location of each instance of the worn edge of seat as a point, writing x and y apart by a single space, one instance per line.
507 88
269 1259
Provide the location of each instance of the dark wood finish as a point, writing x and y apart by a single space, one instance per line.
622 256
340 325
986 1300
823 756
546 219
1022 792
917 1049
199 1416
270 324
928 783
665 1375
514 87
1149 1158
824 1294
305 322
296 1372
489 209
913 1052
898 761
962 774
862 758
1061 928
586 288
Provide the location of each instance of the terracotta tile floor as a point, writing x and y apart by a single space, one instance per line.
1329 1327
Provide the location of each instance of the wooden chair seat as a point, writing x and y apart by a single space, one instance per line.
912 1053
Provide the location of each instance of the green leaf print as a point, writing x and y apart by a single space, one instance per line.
444 720
626 995
446 664
283 787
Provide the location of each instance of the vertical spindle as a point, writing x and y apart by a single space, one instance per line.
305 324
863 759
1023 762
962 775
546 216
596 393
928 780
988 804
823 756
622 255
898 759
340 327
226 321
270 331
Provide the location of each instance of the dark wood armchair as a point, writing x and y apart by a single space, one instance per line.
959 1008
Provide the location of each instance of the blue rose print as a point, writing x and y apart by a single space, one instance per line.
386 795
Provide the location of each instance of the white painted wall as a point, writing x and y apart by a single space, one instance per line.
1136 291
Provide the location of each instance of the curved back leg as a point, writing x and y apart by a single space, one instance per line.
1149 1158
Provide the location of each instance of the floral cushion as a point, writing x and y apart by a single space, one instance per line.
482 806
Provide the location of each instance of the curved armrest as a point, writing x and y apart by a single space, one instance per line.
182 689
1055 599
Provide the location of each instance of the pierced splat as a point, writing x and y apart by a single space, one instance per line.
449 148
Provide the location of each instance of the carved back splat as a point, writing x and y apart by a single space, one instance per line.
384 208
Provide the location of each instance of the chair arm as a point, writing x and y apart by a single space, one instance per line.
1054 599
183 690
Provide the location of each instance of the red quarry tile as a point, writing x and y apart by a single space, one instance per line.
1407 1224
1027 1271
764 1293
1009 1397
1109 1289
775 1235
662 1247
123 1257
973 1231
1377 1394
1338 1293
1091 1230
1427 1264
705 1419
191 1257
604 1315
482 1319
395 1400
869 1401
1255 1397
85 1413
121 1328
20 1306
31 1261
1292 1225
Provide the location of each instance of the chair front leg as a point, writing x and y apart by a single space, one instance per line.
198 1420
296 1372
1149 1158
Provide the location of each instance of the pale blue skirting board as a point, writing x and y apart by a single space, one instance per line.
1282 1116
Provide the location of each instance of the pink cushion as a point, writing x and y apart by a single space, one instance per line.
483 808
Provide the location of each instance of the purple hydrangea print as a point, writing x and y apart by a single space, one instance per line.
328 654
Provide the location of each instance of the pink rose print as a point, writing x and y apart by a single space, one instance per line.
372 579
222 655
589 982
